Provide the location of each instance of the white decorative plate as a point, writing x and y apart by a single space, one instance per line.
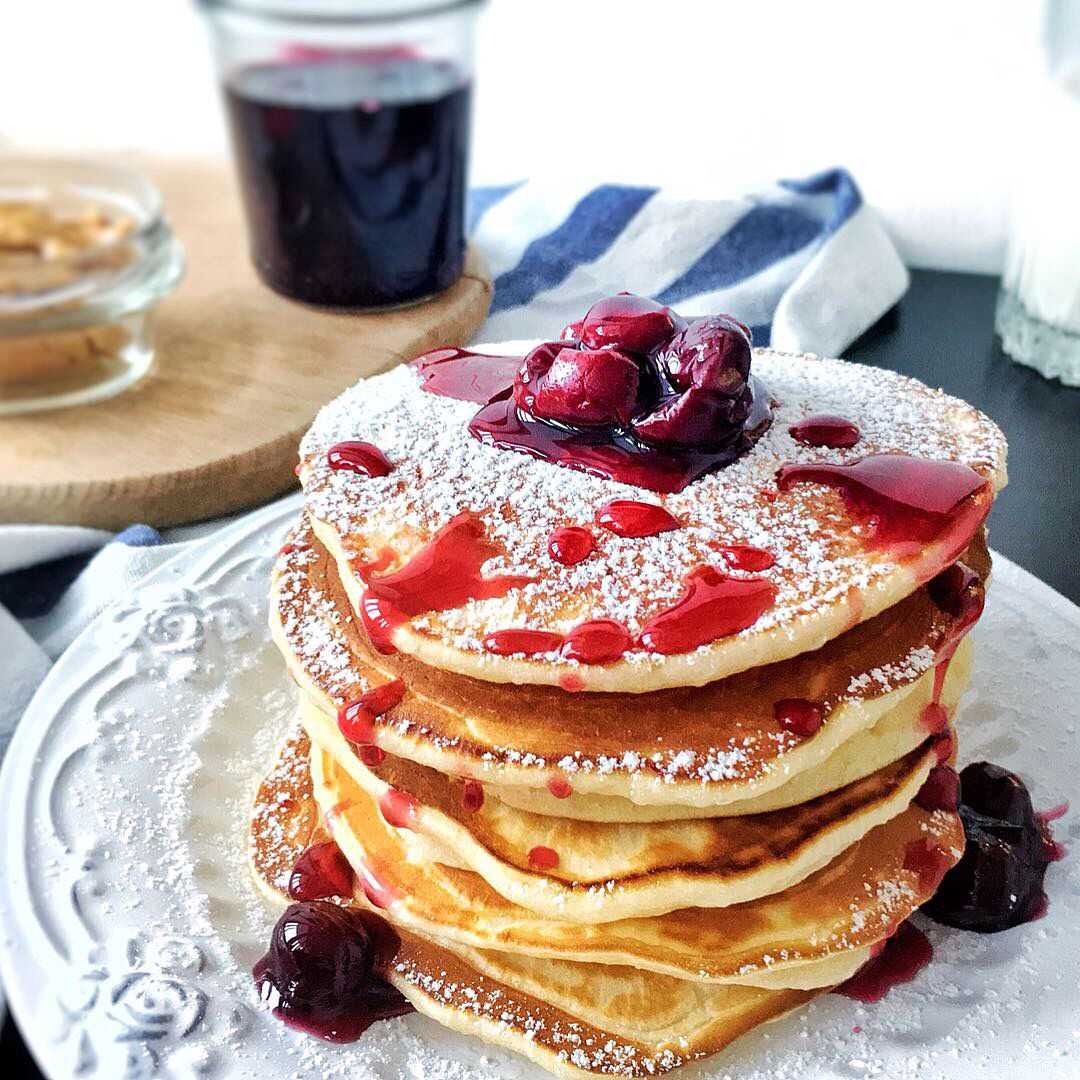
128 925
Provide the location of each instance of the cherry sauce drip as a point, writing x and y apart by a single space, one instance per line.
443 574
902 503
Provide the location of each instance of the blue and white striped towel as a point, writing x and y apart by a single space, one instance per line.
805 263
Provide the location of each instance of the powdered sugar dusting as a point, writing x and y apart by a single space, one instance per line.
440 470
314 628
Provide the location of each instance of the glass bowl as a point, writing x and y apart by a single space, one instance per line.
85 255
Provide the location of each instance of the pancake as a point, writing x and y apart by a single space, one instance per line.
894 735
608 871
286 821
701 747
826 578
850 905
574 1019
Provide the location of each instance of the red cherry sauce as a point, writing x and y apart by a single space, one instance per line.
799 716
614 453
356 720
571 683
371 756
747 557
713 606
559 787
601 641
472 795
825 429
359 457
443 574
940 790
625 517
378 890
321 871
398 808
571 544
527 642
901 503
927 862
905 954
959 592
543 858
373 566
324 970
466 376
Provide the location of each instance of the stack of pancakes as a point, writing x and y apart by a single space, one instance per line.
619 867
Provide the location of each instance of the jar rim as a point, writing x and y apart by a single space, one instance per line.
338 12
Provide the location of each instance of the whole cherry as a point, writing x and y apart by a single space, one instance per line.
707 367
710 354
580 387
625 321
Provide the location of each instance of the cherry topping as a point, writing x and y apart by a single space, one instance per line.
571 683
634 393
999 881
378 891
322 972
543 858
371 756
959 592
320 872
627 322
940 790
398 808
927 862
713 606
560 787
903 502
905 954
601 641
356 720
571 544
824 429
580 387
529 642
710 354
628 518
934 718
799 716
944 746
746 557
359 457
444 574
472 795
466 376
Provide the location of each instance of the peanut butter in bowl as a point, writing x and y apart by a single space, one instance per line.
84 256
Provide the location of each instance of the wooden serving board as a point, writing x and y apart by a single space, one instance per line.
239 375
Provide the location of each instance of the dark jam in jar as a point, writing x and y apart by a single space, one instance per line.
353 174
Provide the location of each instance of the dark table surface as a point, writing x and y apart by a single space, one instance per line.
942 333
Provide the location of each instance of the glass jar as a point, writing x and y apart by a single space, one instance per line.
1038 310
350 130
85 254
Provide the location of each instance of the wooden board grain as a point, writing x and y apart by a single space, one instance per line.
239 375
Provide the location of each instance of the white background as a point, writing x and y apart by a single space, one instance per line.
924 101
